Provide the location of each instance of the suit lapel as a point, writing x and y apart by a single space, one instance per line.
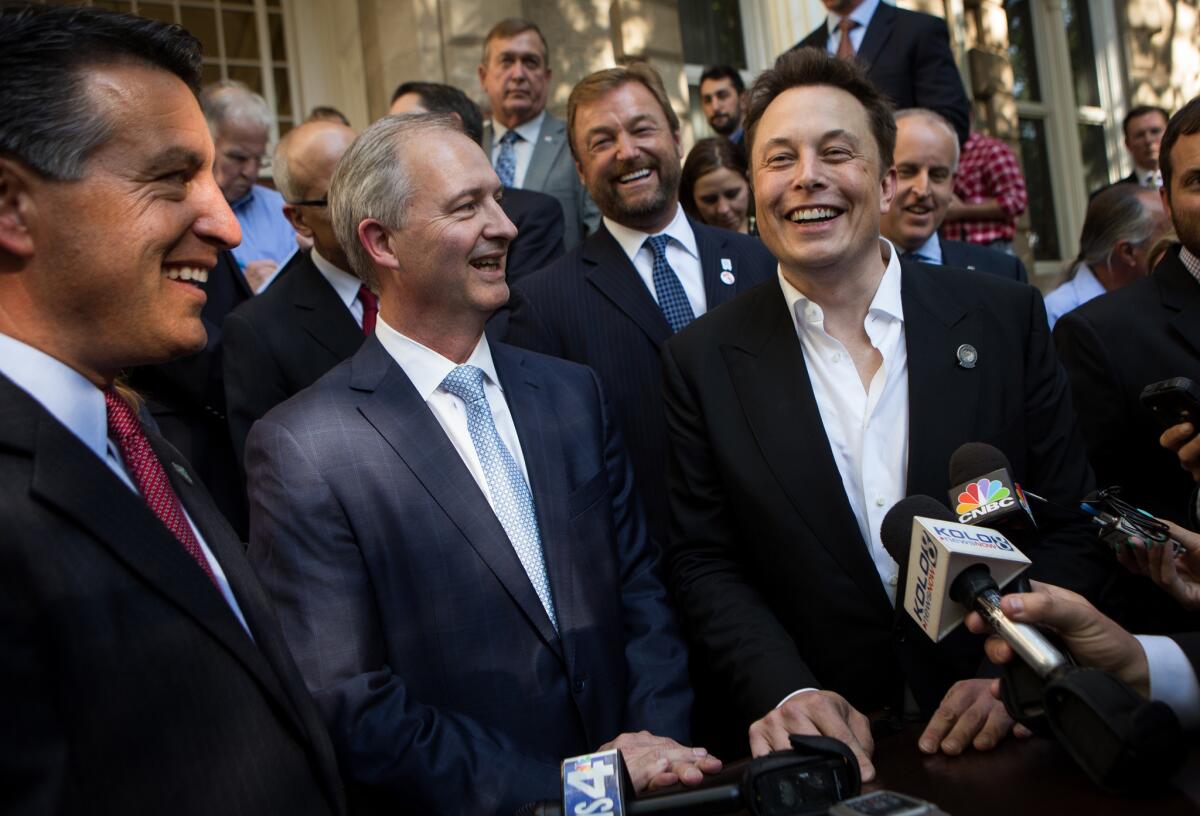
877 34
609 269
773 387
322 314
394 408
711 244
551 140
942 395
1180 292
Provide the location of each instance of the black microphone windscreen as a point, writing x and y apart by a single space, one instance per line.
974 459
896 530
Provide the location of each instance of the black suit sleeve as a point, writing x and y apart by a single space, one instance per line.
739 638
937 84
1022 274
252 384
539 221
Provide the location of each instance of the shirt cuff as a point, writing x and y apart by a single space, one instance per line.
793 694
1172 678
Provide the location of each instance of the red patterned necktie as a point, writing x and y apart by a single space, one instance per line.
845 49
370 302
148 475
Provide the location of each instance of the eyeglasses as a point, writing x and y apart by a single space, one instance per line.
312 202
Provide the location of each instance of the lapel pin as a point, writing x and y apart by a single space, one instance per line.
967 356
727 278
727 264
182 471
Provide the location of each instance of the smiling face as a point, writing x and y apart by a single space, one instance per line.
924 181
1183 204
722 198
112 254
515 78
722 105
819 190
628 157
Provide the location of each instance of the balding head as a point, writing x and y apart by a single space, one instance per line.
304 162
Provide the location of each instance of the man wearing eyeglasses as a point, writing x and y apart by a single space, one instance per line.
240 123
316 315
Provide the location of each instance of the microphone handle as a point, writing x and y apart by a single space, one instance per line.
1030 645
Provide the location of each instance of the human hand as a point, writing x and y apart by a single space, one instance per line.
1179 574
1183 441
656 762
258 272
969 714
1091 637
815 713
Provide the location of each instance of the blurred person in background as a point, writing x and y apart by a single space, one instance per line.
715 187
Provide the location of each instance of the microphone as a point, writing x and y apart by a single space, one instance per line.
985 492
950 568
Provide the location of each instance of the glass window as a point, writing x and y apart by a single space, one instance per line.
1043 226
1026 85
241 34
1094 154
712 32
1078 22
202 23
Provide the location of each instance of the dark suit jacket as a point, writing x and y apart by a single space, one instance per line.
1115 345
592 308
909 59
773 579
972 256
127 685
415 625
281 342
538 218
186 397
1130 179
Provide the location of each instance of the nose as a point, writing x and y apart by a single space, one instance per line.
498 226
215 221
807 171
920 184
626 147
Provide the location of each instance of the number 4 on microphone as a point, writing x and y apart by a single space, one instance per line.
592 785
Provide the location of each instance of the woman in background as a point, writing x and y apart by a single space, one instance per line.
714 187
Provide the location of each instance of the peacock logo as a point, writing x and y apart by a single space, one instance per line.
985 491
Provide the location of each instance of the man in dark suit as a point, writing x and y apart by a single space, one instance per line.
926 158
515 74
313 316
1143 127
141 668
1115 345
448 526
604 304
907 55
802 411
537 216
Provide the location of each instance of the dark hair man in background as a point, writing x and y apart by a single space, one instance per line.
721 91
141 669
1143 127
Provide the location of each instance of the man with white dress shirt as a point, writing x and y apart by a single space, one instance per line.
317 313
448 525
528 146
803 410
1143 126
141 667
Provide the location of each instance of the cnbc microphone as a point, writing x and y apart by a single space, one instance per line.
985 493
951 568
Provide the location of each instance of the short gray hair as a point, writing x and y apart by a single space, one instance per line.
935 118
231 101
372 180
1114 215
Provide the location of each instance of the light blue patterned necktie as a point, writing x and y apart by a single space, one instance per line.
671 298
506 161
511 497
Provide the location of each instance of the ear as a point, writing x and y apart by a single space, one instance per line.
1166 202
678 144
17 209
1127 252
481 72
887 189
295 217
377 241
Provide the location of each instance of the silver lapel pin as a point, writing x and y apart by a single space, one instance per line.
967 356
182 471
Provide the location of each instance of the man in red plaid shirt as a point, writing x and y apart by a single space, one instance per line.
989 194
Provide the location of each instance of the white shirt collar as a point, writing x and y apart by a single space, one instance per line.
70 397
631 240
345 284
887 300
424 366
861 15
1086 284
527 130
1190 262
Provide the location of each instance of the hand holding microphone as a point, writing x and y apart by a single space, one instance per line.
1178 574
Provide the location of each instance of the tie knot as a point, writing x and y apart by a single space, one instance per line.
369 299
658 245
122 420
913 256
509 137
846 25
465 382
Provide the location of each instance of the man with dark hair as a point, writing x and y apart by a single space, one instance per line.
1117 344
1143 127
721 90
802 411
141 669
612 302
527 146
538 217
906 54
327 113
448 525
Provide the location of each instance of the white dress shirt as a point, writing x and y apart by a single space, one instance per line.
1172 678
426 369
522 148
867 428
1073 293
682 254
75 402
862 15
344 284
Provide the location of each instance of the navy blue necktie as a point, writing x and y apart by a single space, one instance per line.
673 301
506 160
